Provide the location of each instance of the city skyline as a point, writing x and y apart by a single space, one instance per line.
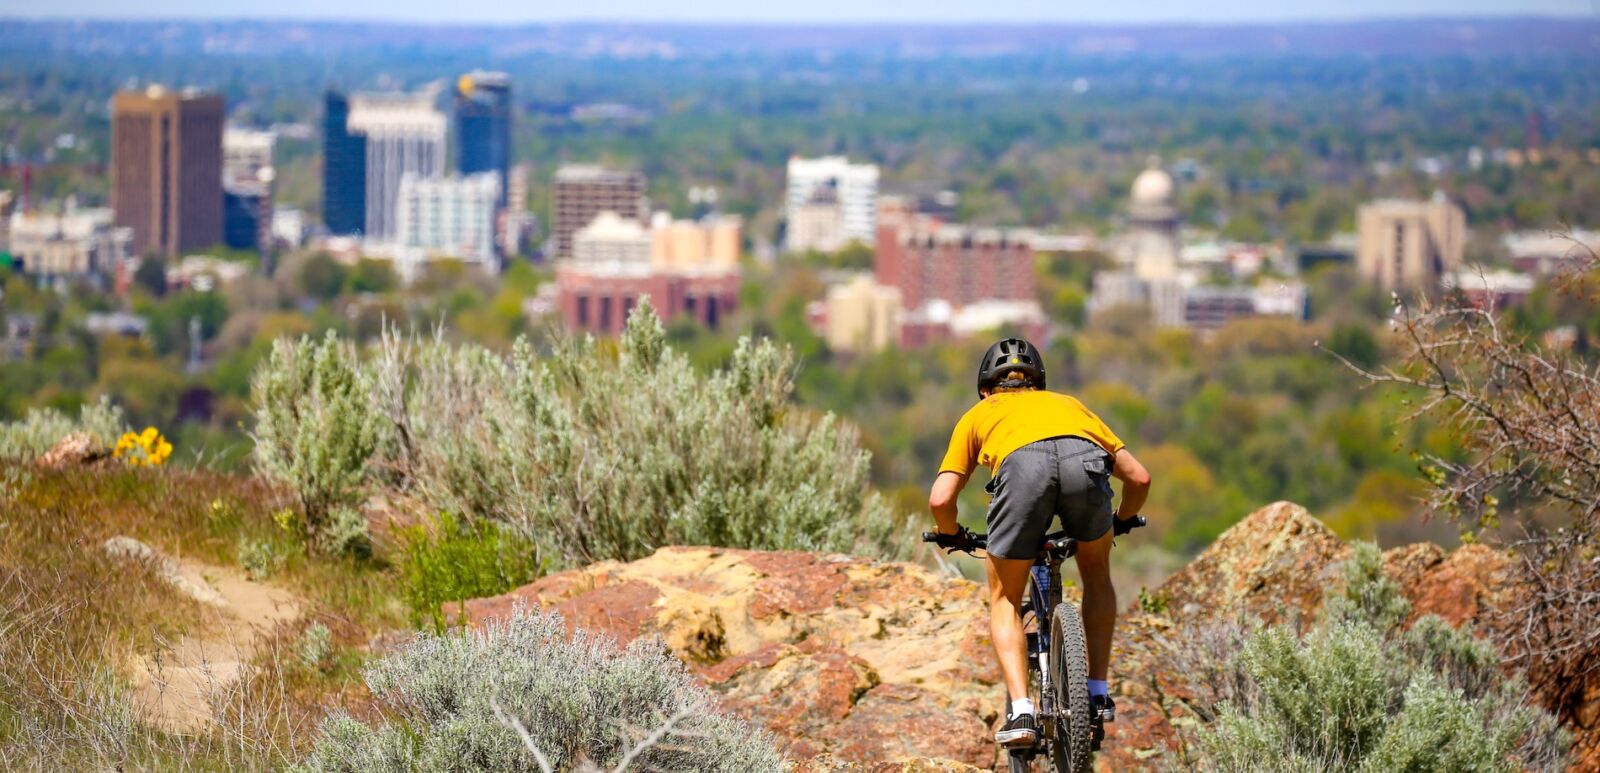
820 12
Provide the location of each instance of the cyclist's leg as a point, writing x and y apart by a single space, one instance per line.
1085 507
1019 516
1008 580
1099 602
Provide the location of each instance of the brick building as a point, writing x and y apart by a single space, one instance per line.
166 169
929 260
599 302
689 269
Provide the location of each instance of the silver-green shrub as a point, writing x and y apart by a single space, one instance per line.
42 428
260 558
605 449
1362 691
316 429
447 406
458 702
633 449
1367 595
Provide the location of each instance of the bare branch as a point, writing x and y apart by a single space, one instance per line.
656 735
515 724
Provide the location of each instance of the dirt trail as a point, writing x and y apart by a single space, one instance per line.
176 686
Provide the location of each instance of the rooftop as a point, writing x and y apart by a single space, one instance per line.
592 173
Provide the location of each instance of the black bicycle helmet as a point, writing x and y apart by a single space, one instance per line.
1011 354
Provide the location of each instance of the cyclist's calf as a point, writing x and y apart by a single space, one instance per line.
1099 602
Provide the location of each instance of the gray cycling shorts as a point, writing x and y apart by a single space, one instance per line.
1066 476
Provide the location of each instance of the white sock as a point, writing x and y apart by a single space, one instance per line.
1021 706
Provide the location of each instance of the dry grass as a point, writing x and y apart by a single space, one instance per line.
73 619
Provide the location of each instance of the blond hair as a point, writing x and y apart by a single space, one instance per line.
1014 381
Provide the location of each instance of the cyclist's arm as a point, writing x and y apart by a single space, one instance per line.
942 500
1135 483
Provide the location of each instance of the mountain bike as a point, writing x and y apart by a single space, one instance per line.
1058 660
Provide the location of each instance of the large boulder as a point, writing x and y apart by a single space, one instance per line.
77 449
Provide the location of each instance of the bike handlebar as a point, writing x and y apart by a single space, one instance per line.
968 541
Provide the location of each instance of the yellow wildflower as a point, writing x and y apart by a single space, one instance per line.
145 448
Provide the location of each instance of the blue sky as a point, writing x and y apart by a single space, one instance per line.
814 11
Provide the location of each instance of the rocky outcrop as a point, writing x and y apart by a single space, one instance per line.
867 662
861 665
1274 566
1463 586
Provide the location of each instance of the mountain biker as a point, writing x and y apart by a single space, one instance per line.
1048 456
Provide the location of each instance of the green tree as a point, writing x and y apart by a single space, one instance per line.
151 275
322 277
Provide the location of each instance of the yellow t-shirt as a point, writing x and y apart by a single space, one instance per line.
1006 421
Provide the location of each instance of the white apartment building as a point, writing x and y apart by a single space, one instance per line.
76 243
405 136
245 152
449 216
853 186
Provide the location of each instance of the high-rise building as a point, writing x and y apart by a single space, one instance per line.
1409 244
166 168
854 188
483 127
450 216
405 135
247 188
344 169
582 192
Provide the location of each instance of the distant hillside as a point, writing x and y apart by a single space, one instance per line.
1525 36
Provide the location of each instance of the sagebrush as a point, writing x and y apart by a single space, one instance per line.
1362 690
597 450
316 432
498 699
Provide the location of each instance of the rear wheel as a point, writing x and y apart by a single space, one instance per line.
1069 683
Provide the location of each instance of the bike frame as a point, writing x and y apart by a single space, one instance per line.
1045 590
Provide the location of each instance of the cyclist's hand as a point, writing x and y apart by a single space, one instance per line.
1121 526
960 540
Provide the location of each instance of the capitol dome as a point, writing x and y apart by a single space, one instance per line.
1153 187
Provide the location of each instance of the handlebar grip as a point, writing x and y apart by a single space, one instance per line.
1122 526
929 536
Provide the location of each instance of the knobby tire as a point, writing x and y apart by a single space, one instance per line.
1069 677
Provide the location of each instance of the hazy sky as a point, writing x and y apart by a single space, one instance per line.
512 11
